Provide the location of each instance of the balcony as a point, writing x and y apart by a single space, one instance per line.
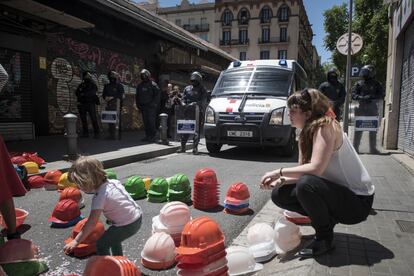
196 28
234 42
273 40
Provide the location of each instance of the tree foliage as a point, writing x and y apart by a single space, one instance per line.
370 20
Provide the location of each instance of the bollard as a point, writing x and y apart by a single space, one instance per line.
71 135
163 128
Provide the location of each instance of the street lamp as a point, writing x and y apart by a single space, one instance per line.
348 70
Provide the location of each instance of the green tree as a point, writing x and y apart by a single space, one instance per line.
371 22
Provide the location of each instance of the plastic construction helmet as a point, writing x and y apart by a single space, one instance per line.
18 160
200 236
296 217
333 74
52 179
110 265
65 183
206 176
186 269
237 194
88 245
145 74
158 252
367 72
135 186
179 185
158 188
287 235
31 167
240 261
18 250
172 218
110 174
260 240
31 267
65 211
71 193
36 181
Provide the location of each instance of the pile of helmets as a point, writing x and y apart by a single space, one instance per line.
179 188
261 243
28 157
36 181
135 186
287 235
110 265
240 261
51 179
296 218
88 245
171 220
110 174
64 182
237 199
206 190
158 190
202 250
65 214
73 194
158 252
20 257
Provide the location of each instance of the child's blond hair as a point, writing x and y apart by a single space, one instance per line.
87 172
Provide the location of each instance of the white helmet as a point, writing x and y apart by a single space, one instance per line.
158 252
240 261
287 235
261 243
205 270
172 218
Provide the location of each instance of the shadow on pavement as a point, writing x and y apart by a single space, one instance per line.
254 154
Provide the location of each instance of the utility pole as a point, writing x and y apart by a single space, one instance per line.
348 69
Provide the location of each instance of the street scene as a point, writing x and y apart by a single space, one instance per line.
177 137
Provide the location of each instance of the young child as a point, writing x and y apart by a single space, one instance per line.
112 200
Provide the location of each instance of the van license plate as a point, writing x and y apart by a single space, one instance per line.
238 133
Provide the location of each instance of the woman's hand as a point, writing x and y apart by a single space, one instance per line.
70 247
268 178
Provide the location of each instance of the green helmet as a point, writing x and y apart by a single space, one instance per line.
158 190
30 267
135 187
110 174
179 185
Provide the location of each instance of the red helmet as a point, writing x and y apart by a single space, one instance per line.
18 160
88 245
34 158
65 211
71 193
237 194
52 177
205 176
36 181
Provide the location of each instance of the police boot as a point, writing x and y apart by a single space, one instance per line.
195 148
182 148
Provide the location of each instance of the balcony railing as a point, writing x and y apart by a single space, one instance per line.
234 42
273 40
197 27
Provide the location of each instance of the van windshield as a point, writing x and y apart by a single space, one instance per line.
259 80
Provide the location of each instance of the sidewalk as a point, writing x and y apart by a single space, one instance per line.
382 245
111 153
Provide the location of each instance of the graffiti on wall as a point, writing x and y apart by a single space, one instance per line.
68 59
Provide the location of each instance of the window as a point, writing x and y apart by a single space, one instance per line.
283 34
244 16
227 17
265 15
191 21
178 22
203 21
284 14
204 36
282 54
265 35
264 54
226 37
243 56
243 37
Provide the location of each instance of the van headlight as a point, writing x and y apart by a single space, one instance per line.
277 116
210 115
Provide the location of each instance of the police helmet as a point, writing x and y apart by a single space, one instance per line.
367 72
196 76
145 74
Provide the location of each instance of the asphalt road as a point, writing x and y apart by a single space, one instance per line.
231 165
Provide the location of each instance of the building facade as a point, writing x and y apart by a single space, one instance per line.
252 29
399 100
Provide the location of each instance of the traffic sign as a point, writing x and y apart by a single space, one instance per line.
356 44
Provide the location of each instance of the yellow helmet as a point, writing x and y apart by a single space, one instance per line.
31 167
65 183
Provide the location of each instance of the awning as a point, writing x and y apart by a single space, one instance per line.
45 12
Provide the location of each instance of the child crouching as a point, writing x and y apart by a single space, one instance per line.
111 199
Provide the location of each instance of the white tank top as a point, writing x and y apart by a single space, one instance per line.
345 168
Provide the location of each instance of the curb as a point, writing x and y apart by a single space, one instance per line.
405 160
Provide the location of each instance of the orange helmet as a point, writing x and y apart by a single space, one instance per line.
36 181
237 194
71 193
65 211
205 176
110 265
18 250
52 177
88 245
199 236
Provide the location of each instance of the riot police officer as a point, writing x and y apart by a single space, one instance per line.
87 101
147 100
195 94
112 92
367 91
334 90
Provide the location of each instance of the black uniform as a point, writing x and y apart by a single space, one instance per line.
366 92
87 101
195 95
148 100
335 91
115 90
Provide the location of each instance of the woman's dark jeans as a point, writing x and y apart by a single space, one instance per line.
326 203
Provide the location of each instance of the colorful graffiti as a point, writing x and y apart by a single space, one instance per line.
68 58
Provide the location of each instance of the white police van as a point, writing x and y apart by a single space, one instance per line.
249 105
